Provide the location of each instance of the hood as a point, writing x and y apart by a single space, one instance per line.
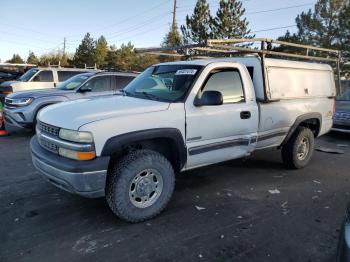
74 114
8 83
40 93
342 105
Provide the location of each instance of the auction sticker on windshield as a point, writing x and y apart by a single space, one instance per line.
186 72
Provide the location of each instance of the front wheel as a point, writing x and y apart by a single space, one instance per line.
297 152
140 185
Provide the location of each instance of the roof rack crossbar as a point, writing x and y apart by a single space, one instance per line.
223 46
234 49
210 42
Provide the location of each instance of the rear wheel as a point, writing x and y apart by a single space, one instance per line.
297 152
140 185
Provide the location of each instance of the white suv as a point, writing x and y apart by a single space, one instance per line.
40 78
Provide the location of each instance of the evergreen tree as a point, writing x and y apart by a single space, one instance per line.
173 37
111 58
126 57
197 27
54 58
85 53
32 59
229 21
101 51
320 26
16 59
344 29
144 61
327 25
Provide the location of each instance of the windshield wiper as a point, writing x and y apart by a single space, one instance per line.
124 92
149 95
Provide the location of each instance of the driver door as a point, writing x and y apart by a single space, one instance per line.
221 132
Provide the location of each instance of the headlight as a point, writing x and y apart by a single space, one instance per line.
20 101
76 155
76 136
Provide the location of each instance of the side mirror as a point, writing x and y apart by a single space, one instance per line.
84 89
209 98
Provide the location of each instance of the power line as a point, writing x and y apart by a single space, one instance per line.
270 10
128 18
31 45
278 9
34 38
209 3
273 28
26 29
128 30
256 31
138 26
142 33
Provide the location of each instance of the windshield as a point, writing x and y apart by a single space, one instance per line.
28 75
345 96
168 83
73 82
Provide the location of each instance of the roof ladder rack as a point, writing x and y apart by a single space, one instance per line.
262 47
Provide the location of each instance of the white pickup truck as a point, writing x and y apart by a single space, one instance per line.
179 116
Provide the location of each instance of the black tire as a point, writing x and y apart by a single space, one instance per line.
123 173
290 149
35 120
34 124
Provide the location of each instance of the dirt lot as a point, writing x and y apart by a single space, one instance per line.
238 218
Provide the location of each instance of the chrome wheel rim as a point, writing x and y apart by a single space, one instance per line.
303 148
145 188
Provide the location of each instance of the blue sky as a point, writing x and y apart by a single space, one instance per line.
41 25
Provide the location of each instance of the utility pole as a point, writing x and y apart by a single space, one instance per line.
64 46
174 16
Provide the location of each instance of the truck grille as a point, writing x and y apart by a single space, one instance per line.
48 145
48 129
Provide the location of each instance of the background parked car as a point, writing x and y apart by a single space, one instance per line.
5 76
341 118
21 108
10 71
41 77
343 253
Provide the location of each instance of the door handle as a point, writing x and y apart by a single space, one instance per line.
245 114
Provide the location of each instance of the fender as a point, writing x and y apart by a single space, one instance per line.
116 143
301 119
35 114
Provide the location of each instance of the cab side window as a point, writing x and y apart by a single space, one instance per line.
64 75
228 82
44 76
98 84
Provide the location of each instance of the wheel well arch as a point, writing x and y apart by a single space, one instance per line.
313 121
166 141
35 114
313 124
